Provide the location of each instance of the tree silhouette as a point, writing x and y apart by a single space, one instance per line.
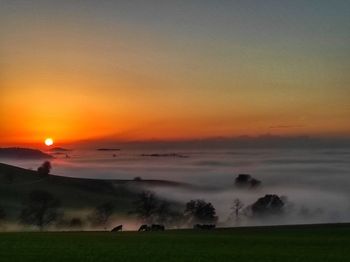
2 214
246 181
167 214
236 208
268 205
146 206
45 168
75 222
199 211
40 209
102 213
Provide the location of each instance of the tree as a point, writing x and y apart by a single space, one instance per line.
246 181
75 222
102 213
146 206
2 214
268 205
199 211
45 168
236 208
167 214
254 183
163 212
40 209
150 209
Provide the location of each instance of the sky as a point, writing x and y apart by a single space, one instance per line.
139 70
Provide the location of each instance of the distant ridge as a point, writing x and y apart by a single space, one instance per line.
250 142
59 149
23 153
108 149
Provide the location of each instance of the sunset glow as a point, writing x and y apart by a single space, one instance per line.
210 75
179 130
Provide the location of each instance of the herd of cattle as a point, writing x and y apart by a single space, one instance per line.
156 227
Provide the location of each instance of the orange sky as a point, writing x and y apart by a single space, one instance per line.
102 74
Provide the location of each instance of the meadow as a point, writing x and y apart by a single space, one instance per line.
281 243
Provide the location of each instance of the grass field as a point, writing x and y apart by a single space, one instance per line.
282 244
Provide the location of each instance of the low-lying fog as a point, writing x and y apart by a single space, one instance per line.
315 182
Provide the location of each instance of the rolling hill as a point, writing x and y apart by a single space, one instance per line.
23 153
74 193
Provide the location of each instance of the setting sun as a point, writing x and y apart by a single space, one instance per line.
189 124
48 141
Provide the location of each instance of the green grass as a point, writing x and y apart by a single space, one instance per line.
280 244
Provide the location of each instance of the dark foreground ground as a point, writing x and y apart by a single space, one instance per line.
281 244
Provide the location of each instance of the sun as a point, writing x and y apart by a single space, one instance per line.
49 141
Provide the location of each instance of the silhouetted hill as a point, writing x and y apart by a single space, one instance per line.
108 149
23 153
59 149
74 193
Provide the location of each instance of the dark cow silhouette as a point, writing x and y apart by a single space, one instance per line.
204 226
144 228
156 227
117 228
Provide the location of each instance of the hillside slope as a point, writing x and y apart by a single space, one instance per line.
74 193
23 153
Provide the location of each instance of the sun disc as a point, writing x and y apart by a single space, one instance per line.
49 141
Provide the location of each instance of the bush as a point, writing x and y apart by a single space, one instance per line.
45 168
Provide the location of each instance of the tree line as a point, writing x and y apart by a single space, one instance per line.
41 208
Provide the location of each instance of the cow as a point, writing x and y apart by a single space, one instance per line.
204 226
144 228
156 227
117 228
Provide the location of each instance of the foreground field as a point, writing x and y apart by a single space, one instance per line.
297 243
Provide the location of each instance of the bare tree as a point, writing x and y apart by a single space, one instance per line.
76 222
168 214
2 214
146 206
40 209
236 208
102 213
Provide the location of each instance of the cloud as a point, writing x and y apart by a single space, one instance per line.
286 126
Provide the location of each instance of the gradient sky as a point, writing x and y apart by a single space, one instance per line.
76 70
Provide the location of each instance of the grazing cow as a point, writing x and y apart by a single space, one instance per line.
156 227
204 226
117 228
144 228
